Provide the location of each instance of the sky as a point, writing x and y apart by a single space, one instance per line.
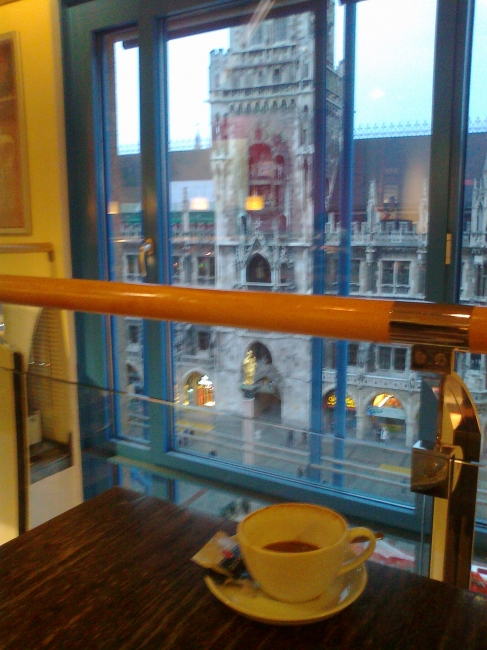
188 63
394 61
394 70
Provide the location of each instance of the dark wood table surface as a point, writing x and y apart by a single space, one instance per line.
115 572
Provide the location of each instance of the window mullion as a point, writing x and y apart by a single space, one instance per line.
319 163
448 144
153 135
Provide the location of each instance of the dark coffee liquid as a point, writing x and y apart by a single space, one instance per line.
291 546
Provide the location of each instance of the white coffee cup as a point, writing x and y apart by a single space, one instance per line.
297 576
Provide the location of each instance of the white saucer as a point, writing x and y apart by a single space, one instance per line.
260 607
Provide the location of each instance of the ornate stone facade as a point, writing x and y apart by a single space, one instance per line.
256 232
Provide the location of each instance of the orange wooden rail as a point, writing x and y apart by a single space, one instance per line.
328 316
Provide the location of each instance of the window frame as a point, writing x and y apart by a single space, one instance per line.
82 27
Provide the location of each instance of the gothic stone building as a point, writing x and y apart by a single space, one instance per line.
242 218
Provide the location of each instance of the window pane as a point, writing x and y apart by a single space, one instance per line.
353 354
124 221
355 276
241 130
473 288
241 158
400 355
387 277
402 285
393 104
384 358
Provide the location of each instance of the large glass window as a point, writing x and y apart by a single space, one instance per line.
243 217
233 191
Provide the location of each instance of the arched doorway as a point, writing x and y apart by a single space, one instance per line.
387 417
261 352
267 404
198 390
328 410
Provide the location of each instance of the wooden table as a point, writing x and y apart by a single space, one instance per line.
116 573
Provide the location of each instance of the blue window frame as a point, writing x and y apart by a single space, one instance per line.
149 27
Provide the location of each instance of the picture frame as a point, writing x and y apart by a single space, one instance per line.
15 216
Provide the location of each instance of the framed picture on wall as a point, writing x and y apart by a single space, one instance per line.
14 188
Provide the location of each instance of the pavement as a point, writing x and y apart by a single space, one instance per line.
368 467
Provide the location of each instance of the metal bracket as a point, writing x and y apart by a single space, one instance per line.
447 468
432 468
432 358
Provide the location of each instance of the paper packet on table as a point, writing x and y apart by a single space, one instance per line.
221 557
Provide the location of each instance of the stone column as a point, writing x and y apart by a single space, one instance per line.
370 257
421 271
361 421
248 410
411 431
363 276
185 216
468 279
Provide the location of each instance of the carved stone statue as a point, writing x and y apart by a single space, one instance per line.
249 364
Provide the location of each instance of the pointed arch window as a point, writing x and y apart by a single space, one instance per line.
258 270
480 210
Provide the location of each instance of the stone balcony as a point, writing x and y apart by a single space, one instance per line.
196 234
207 361
411 382
475 239
361 235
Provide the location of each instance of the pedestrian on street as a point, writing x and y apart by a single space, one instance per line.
377 433
290 438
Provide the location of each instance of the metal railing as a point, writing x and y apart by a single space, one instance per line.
447 469
359 319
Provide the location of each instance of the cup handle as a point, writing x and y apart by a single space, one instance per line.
354 562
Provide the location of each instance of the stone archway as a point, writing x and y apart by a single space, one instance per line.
387 417
198 390
261 352
328 413
265 387
267 401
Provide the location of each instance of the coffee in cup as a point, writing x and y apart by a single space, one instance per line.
296 550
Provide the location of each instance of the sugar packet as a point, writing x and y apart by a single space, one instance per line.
222 554
221 557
